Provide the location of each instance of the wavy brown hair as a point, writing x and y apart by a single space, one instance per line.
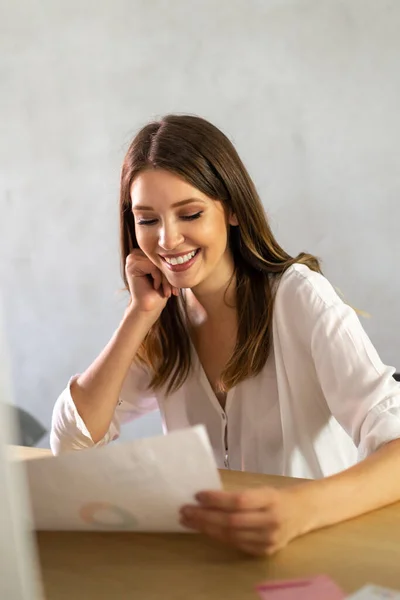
198 152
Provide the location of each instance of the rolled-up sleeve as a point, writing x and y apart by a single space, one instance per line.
68 430
358 387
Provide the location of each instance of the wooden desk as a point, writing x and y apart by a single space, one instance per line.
104 566
23 453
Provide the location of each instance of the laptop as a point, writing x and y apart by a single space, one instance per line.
19 570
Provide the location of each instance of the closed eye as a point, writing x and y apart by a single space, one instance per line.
192 217
146 221
149 222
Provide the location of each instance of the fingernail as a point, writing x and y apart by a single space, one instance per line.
186 523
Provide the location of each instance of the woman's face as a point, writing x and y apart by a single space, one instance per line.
181 230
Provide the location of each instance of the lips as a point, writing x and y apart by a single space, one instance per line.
181 262
179 259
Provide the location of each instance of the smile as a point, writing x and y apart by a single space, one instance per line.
183 262
179 260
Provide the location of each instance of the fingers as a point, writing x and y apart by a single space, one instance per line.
259 550
137 264
156 275
169 290
257 540
166 286
254 533
253 499
259 521
240 520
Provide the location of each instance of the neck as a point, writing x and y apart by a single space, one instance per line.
212 303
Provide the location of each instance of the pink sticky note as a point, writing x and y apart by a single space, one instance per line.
314 588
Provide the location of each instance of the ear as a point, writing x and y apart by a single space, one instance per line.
233 220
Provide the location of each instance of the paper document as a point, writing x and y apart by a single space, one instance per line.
374 592
314 588
135 486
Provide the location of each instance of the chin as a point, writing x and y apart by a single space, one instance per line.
184 282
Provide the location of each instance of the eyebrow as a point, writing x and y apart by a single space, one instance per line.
175 205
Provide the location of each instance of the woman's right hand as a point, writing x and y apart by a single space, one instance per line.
148 286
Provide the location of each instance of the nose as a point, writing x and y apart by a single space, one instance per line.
170 237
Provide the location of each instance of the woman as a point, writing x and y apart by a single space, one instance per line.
224 328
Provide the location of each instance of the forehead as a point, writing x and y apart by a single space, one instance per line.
156 186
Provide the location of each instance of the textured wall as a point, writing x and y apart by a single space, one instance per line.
308 90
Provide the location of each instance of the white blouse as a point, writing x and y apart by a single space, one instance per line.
323 400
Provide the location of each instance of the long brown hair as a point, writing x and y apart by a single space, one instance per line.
203 156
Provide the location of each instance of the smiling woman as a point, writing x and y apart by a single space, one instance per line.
224 328
187 239
176 170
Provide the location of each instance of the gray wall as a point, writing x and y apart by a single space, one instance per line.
309 91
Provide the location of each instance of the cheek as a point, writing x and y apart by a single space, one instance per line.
145 239
217 234
213 230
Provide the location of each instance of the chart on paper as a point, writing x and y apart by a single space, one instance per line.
135 486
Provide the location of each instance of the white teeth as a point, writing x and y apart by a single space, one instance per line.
179 260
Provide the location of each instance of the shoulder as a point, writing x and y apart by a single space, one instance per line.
300 286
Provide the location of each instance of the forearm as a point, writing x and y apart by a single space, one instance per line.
96 392
369 485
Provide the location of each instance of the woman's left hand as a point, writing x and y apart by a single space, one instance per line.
258 521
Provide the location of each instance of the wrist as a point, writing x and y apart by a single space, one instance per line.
134 316
308 505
